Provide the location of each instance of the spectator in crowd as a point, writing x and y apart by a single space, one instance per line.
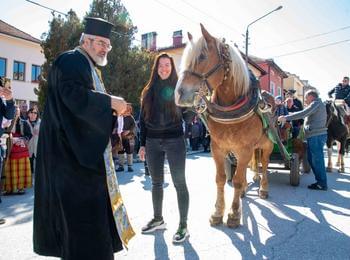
294 105
195 132
34 123
128 140
342 92
18 175
23 107
7 111
161 134
281 110
316 135
78 209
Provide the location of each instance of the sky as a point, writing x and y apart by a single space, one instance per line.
309 38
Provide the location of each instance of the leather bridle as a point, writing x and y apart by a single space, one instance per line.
203 96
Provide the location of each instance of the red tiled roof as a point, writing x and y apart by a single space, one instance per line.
7 29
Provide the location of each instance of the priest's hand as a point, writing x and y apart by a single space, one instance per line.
142 153
6 93
118 104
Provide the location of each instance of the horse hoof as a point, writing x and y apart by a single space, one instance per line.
263 194
242 194
328 169
341 170
215 221
233 220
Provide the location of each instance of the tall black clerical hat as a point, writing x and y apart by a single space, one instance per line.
98 26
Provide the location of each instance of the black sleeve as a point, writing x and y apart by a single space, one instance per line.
8 109
330 93
85 115
27 133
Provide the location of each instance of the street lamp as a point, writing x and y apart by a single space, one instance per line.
247 31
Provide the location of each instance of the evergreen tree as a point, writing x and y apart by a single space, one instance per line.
128 67
63 35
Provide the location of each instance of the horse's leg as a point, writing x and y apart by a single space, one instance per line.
255 167
234 216
338 149
219 158
341 155
265 158
329 151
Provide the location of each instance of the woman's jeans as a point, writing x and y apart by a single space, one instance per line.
175 151
315 155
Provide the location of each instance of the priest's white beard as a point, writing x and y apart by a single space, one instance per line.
101 61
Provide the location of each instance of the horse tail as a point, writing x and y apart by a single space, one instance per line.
254 162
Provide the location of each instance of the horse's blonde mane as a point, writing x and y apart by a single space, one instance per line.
238 71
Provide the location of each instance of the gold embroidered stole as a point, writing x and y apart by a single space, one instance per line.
120 215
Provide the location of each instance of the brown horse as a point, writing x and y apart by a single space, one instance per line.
212 68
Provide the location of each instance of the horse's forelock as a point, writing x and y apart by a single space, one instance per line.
191 53
238 70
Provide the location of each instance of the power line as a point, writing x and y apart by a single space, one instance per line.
210 16
174 10
66 15
310 49
52 10
306 38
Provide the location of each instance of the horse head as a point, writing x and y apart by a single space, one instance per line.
332 112
210 69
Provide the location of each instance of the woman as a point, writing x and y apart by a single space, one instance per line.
34 123
161 134
18 175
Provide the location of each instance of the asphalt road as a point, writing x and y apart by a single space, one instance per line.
293 223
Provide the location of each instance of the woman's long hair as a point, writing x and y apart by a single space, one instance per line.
147 94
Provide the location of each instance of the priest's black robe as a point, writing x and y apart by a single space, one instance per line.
72 210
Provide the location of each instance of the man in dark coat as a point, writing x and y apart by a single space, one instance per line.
73 216
341 91
295 106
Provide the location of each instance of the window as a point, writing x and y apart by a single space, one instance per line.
2 67
18 70
20 101
279 91
36 70
272 88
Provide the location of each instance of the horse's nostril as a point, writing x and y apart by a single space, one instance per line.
180 91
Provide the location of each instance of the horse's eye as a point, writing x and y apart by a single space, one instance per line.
202 57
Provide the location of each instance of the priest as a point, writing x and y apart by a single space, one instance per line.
78 208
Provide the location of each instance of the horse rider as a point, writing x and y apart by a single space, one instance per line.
342 92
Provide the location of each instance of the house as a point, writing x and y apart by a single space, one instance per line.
293 82
273 80
21 58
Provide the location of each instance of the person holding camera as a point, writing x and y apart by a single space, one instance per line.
7 110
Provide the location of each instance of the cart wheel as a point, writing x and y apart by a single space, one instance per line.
294 170
306 165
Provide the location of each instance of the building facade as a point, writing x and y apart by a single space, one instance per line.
273 80
21 58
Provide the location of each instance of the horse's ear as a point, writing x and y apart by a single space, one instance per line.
205 34
190 38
